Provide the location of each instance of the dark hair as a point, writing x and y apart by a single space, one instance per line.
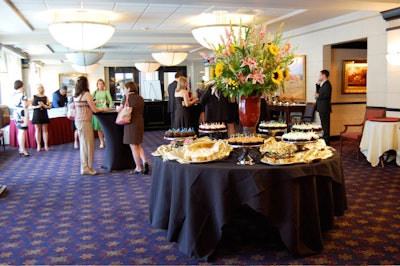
132 86
325 72
81 86
64 88
178 74
18 84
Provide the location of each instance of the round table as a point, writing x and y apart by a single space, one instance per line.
193 201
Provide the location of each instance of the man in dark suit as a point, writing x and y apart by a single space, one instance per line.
323 101
171 96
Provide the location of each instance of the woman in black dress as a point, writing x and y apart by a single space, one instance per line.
134 131
40 118
182 101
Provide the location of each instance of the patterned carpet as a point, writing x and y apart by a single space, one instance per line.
50 214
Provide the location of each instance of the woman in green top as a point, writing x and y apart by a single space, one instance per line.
102 99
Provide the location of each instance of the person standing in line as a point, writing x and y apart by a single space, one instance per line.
102 99
85 107
183 102
218 108
134 131
40 118
60 98
21 115
171 97
323 103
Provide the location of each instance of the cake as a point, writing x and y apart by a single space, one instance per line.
180 133
272 125
245 140
306 127
212 127
300 136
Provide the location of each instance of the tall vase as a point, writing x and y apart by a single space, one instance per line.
249 113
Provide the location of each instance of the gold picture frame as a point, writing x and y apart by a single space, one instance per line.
354 76
295 87
69 80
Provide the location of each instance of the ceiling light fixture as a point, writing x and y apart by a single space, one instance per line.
147 66
211 35
86 69
84 58
169 58
82 29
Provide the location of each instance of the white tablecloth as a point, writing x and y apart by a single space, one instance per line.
379 137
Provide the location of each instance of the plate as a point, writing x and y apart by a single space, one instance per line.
213 131
277 164
300 142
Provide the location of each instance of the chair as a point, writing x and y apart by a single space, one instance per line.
355 136
307 117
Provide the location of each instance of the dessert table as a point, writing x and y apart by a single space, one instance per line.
287 109
194 201
379 137
118 156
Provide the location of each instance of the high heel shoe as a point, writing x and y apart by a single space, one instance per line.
146 168
25 154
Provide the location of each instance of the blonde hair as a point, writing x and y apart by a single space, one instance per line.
181 84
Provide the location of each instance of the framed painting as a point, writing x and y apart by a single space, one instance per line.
69 80
354 76
295 87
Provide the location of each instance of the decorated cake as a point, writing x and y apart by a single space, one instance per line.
306 127
180 133
212 127
300 136
272 125
245 140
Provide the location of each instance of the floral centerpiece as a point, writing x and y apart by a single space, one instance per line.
251 65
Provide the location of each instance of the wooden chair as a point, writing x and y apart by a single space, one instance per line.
355 136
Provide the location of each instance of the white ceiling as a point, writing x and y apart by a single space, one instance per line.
142 26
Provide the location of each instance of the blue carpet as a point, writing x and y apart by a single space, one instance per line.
50 214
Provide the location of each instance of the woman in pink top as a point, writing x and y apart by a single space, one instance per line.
85 106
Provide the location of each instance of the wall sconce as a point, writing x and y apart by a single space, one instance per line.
393 58
147 66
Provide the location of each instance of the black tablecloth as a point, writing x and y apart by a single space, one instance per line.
194 201
118 156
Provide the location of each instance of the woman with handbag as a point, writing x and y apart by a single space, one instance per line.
134 131
84 108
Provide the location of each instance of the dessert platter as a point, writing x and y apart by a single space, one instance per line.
177 136
200 150
213 130
246 143
300 138
272 127
283 153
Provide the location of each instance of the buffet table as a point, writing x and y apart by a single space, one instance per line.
193 201
378 138
118 156
287 109
60 132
